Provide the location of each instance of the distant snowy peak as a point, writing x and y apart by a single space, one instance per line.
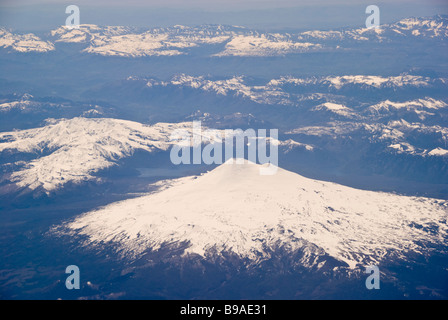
283 90
23 42
429 28
413 110
22 104
406 148
432 27
233 209
406 133
418 106
372 81
265 45
227 86
26 103
337 82
86 32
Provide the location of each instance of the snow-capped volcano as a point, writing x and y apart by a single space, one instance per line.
234 209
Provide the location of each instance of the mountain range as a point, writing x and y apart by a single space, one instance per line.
232 40
86 122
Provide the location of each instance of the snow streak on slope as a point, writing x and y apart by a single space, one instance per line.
234 209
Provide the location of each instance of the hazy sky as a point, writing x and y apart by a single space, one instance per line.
29 15
220 4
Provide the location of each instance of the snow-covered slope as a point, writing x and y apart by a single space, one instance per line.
235 209
24 42
438 152
72 150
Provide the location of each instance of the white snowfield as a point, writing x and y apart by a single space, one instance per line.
234 209
263 45
336 108
438 152
24 42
